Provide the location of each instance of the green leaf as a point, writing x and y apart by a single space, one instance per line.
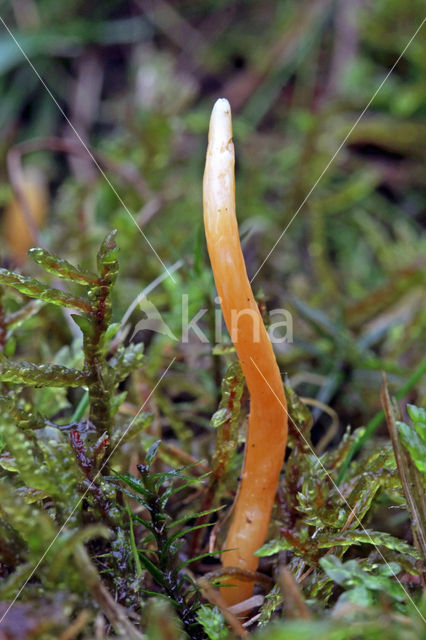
418 416
226 419
360 596
358 536
273 600
156 594
10 347
27 458
181 534
274 546
213 622
363 581
192 516
146 523
336 570
107 256
115 404
35 289
153 569
172 490
414 444
85 324
414 438
33 524
151 453
126 360
112 330
209 554
61 268
133 483
41 375
135 554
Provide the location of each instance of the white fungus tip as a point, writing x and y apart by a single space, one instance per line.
220 131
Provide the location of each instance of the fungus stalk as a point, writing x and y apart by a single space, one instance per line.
267 426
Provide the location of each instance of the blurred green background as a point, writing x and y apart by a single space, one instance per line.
136 81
